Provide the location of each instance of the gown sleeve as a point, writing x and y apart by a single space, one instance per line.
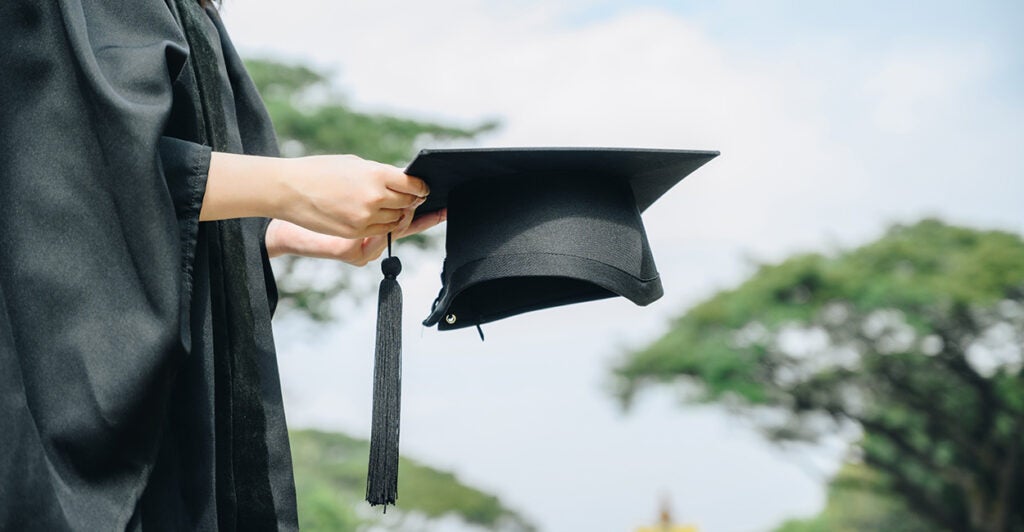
186 166
98 211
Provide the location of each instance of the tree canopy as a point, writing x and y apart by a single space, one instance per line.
914 339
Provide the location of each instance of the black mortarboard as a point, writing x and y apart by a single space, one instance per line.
536 228
527 229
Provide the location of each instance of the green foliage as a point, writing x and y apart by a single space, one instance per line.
310 118
857 502
915 339
279 81
330 481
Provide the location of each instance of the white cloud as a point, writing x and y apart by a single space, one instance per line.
914 88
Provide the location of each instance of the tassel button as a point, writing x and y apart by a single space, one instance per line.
391 267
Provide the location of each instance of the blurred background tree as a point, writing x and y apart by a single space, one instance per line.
330 480
858 500
913 341
330 469
312 118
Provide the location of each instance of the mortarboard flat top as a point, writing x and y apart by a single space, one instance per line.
652 172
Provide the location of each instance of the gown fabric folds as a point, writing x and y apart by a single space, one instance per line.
139 387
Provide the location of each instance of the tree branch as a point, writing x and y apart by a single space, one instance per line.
920 503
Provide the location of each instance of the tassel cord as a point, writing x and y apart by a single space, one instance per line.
382 475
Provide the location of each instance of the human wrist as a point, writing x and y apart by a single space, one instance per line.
241 186
276 242
283 195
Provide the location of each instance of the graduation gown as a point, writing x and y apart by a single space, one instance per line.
139 387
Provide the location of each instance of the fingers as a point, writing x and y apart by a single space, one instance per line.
379 229
385 216
374 244
382 229
424 222
372 249
400 226
396 180
399 200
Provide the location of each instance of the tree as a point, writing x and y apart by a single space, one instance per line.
310 119
914 339
858 501
330 483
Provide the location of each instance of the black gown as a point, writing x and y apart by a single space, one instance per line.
139 387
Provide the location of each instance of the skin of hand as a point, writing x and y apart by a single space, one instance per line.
332 206
348 197
287 238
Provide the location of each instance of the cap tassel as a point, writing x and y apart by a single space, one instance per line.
382 478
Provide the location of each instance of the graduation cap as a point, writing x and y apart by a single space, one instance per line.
527 229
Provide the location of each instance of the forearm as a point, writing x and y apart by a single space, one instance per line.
240 186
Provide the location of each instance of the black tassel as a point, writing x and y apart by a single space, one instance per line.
382 478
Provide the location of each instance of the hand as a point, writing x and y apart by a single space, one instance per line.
337 195
349 197
286 237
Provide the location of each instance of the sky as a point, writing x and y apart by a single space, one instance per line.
834 119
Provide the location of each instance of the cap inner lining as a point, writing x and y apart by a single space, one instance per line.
519 295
